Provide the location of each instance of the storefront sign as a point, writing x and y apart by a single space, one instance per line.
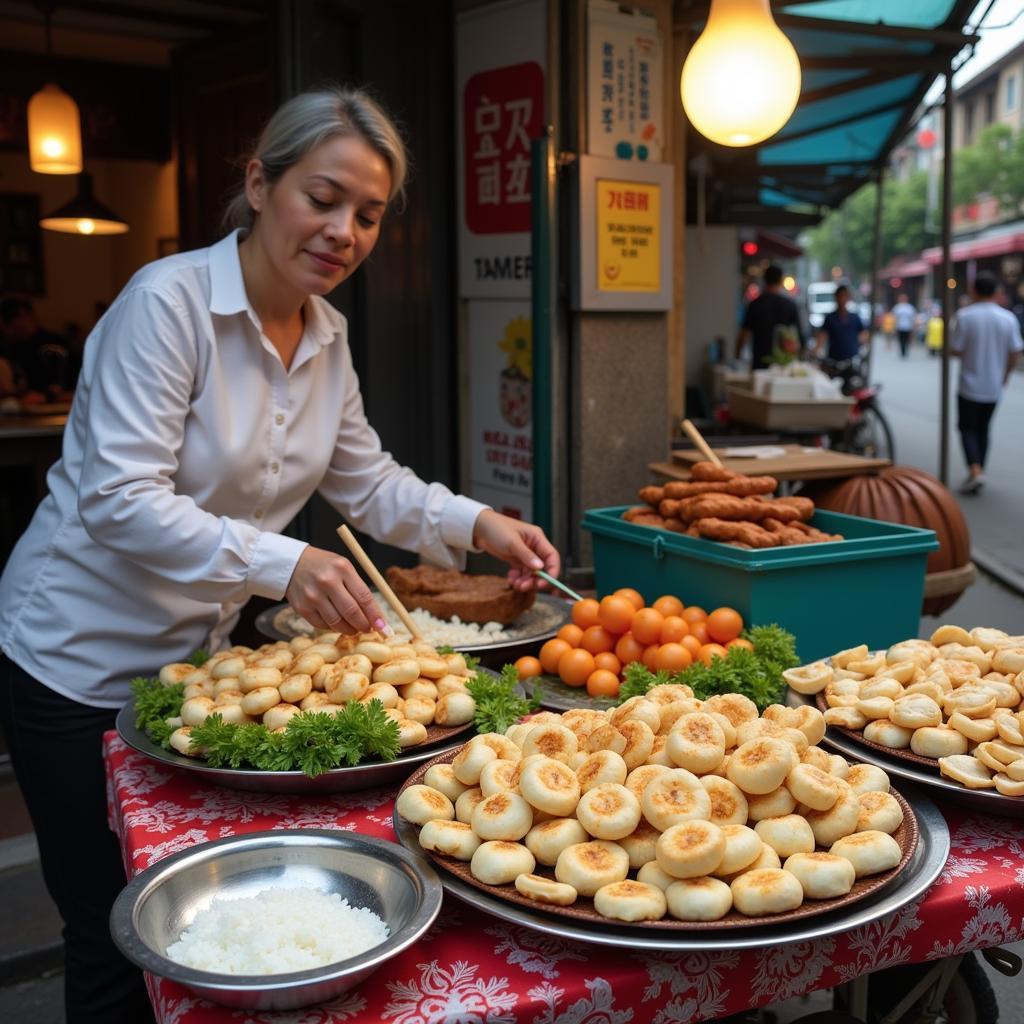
501 393
628 243
622 214
624 84
500 57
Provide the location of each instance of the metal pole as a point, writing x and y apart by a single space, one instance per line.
876 263
947 271
542 292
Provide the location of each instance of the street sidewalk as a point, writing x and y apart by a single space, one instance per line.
910 401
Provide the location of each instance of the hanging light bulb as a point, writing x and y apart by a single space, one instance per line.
54 125
85 214
741 79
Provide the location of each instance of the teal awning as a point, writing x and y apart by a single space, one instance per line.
867 65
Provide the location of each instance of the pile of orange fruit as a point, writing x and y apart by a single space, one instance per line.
607 635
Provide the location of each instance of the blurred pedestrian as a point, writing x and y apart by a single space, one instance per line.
770 322
904 315
987 339
843 330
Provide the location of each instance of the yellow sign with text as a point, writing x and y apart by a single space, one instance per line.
628 246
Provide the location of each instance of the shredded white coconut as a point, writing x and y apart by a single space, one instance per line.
278 931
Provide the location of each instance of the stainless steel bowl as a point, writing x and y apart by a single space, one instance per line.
161 902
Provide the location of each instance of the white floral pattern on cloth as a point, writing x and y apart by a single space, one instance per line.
596 1008
471 968
533 952
343 1007
791 968
991 925
442 995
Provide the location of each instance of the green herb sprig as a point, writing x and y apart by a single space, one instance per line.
154 704
756 674
497 704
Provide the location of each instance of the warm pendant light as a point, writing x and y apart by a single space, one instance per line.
85 214
54 126
54 132
741 79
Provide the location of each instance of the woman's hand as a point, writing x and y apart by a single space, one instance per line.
522 545
326 590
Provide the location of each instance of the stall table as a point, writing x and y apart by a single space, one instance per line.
474 967
798 463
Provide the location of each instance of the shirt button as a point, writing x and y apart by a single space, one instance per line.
279 418
258 513
274 467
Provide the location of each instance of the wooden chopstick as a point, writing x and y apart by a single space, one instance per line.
699 443
378 579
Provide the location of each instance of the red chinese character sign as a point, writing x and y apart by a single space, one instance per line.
502 113
500 95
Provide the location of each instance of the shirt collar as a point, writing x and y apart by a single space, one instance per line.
228 296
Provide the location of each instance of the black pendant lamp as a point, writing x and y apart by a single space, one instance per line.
85 214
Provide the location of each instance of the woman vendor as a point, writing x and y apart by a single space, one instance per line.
217 395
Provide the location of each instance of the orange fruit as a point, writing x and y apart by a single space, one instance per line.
608 661
597 639
700 631
575 667
692 644
650 653
601 683
584 613
646 626
528 667
627 649
634 597
668 605
724 624
551 652
694 614
672 658
673 629
711 651
616 613
739 642
571 634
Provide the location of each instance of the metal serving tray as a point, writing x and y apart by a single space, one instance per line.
924 867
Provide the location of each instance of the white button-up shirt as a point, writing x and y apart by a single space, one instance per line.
189 445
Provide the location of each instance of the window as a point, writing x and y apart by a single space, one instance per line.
1011 92
990 108
968 124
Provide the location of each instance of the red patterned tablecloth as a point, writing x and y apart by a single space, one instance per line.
472 968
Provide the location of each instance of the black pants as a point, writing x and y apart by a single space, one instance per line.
974 419
904 337
56 749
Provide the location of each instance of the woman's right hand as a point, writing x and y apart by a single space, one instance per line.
327 592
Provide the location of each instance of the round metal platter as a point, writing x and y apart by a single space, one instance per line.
528 632
558 696
907 836
337 780
922 869
987 800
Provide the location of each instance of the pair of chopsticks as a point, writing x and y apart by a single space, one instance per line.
348 537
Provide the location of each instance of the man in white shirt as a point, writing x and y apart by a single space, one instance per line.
988 341
904 316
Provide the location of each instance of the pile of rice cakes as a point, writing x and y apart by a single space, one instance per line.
956 698
664 806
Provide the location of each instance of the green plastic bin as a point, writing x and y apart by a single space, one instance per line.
866 589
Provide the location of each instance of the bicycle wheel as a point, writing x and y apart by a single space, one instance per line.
870 436
970 998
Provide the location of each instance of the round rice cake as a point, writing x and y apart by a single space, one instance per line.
690 849
589 866
630 901
870 852
880 812
822 876
498 862
769 891
698 899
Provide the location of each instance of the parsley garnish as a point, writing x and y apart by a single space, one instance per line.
497 704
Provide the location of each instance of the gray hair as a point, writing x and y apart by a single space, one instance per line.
309 119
